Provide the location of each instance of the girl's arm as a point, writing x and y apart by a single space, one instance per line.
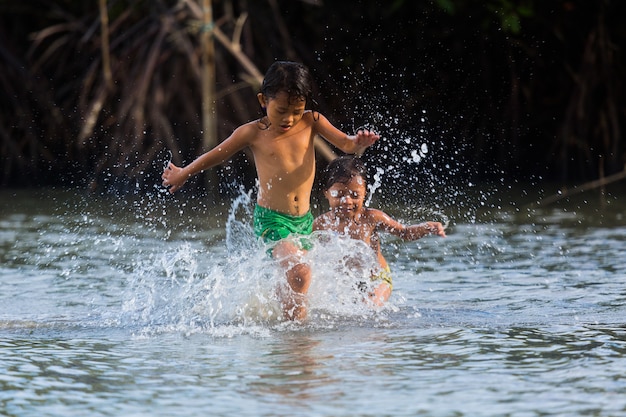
353 144
175 177
413 232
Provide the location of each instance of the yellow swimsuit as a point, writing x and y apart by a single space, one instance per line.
385 275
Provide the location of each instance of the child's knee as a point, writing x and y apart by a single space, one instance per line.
301 270
299 277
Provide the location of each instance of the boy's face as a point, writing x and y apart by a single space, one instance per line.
283 113
346 200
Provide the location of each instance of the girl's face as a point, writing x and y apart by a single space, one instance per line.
283 113
346 200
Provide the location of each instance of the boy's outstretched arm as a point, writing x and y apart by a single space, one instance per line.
363 139
352 144
175 177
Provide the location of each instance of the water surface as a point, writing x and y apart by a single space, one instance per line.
128 307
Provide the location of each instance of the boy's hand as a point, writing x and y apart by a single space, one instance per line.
365 138
173 177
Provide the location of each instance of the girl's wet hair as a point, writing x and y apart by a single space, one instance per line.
342 169
290 77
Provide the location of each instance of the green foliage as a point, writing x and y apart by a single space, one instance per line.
511 14
446 5
507 13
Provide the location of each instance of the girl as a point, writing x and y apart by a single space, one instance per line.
345 189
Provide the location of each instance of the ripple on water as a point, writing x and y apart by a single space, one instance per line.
121 316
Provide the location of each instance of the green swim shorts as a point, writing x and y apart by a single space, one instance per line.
273 226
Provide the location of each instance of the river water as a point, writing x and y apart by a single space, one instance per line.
142 307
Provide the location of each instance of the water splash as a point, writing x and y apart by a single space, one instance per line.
342 268
231 287
422 214
420 159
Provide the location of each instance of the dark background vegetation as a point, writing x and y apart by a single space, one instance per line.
507 89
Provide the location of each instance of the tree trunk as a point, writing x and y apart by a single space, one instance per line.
209 115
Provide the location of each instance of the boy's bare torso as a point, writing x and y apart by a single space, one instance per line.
285 164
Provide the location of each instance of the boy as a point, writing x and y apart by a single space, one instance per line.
284 155
345 189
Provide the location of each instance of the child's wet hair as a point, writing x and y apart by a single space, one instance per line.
290 77
342 169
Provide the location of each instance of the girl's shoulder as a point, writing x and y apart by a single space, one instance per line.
377 217
322 221
328 222
374 213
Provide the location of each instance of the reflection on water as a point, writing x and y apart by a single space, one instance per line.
110 307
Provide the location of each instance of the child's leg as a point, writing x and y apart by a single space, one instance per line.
298 274
380 294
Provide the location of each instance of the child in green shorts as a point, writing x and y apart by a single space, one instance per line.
282 143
